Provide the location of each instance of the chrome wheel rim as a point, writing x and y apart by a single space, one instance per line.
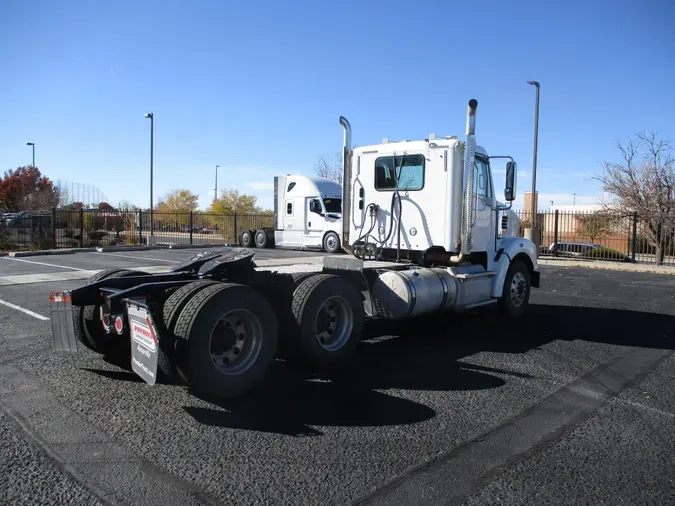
518 289
331 242
235 342
334 323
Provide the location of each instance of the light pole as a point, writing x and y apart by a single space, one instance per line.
32 144
534 231
215 189
152 135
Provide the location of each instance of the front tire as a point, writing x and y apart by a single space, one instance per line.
516 291
231 334
331 243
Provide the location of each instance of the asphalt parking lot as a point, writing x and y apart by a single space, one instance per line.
574 404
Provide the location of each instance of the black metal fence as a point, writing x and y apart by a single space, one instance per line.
599 235
82 228
592 235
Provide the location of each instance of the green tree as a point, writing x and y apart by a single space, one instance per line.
232 201
178 201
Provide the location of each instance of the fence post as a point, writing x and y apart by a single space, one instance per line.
234 240
555 233
191 225
635 218
140 226
54 227
81 227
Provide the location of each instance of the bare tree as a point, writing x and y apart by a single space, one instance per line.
644 182
332 171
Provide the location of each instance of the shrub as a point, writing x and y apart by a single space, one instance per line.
97 236
608 254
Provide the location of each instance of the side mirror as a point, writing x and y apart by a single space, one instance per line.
315 206
510 189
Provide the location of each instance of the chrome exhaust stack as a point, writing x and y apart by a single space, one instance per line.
346 183
466 218
469 160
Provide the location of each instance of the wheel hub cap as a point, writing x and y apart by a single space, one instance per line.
236 341
334 323
518 289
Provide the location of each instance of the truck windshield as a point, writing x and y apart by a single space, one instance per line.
333 205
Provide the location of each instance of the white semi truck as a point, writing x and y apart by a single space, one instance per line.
421 226
307 216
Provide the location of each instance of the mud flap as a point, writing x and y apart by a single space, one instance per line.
144 341
63 331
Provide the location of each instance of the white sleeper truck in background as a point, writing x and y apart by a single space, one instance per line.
307 215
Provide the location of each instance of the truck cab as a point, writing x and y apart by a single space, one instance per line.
433 203
307 213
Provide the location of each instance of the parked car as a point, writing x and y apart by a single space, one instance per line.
584 249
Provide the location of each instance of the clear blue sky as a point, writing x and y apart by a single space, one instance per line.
257 87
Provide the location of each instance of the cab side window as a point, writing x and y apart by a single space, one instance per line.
481 179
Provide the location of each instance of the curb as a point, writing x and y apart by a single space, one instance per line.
611 266
110 249
49 252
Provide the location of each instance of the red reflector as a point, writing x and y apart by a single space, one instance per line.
106 320
119 324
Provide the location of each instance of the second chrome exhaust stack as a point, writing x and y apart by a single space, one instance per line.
346 183
469 160
466 223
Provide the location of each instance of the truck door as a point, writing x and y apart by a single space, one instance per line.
485 205
293 226
314 221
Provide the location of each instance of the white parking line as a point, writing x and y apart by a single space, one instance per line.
43 263
23 310
140 258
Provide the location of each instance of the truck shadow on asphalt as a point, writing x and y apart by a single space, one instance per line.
423 354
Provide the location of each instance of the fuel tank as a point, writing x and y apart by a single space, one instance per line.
401 294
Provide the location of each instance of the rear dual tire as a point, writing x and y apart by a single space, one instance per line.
261 239
170 353
328 319
230 332
246 239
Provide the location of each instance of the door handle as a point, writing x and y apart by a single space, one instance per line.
309 224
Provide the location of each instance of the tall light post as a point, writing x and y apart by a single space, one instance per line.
534 231
152 135
32 144
215 189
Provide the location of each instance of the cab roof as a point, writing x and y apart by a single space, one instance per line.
419 146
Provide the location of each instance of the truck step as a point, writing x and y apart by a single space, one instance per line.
475 275
481 303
